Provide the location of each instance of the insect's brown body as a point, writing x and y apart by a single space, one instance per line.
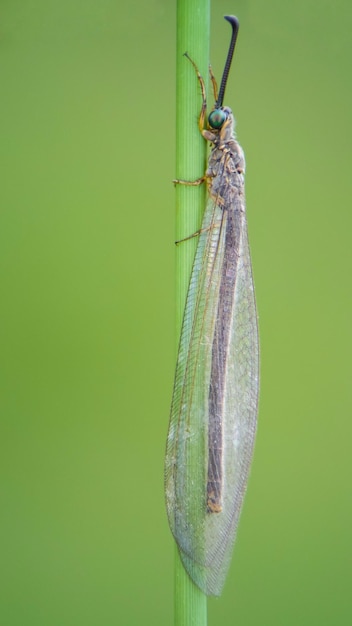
225 177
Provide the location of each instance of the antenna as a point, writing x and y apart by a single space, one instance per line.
235 26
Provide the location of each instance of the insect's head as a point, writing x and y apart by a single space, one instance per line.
218 117
221 125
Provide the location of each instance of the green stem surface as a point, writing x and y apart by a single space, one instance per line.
193 33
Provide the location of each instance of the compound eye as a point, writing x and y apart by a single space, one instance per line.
217 118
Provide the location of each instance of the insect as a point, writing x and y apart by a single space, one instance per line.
215 397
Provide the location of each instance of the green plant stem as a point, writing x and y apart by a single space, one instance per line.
193 32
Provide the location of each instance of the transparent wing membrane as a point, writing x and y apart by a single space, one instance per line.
214 407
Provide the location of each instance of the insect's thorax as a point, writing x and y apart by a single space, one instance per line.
226 163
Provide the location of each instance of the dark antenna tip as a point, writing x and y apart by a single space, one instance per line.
235 26
233 20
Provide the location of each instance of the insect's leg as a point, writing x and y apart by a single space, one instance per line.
214 83
204 98
193 183
198 232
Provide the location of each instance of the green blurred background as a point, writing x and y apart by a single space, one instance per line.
87 115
